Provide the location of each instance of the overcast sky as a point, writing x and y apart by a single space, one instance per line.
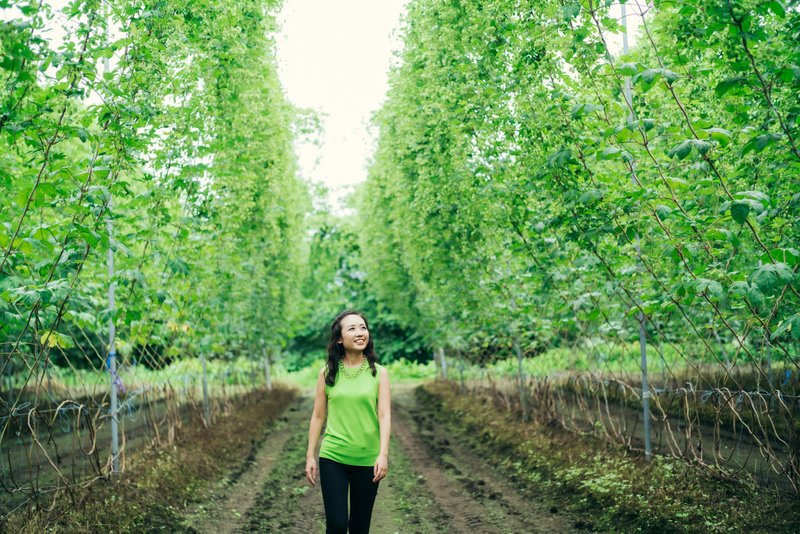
334 58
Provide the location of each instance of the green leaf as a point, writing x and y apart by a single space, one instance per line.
570 11
646 79
647 76
701 146
760 142
711 288
748 292
53 339
43 191
756 297
669 75
758 196
583 109
789 74
719 135
771 277
562 158
789 256
42 245
178 266
735 83
744 202
610 152
777 7
681 150
591 196
739 288
672 253
87 234
23 195
739 211
790 325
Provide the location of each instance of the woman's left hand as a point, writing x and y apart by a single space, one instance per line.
381 468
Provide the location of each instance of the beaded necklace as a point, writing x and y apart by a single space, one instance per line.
350 372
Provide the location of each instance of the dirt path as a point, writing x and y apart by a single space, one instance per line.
467 487
434 485
286 503
232 499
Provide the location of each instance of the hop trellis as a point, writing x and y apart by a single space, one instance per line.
537 188
157 131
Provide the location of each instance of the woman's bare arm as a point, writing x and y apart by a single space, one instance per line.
385 422
318 417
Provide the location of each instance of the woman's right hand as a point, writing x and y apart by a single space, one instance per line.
311 471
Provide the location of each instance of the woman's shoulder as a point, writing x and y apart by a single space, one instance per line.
381 369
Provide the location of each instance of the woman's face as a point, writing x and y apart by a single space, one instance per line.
354 333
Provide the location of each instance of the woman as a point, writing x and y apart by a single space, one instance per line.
353 393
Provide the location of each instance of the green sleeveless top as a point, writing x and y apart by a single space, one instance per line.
352 434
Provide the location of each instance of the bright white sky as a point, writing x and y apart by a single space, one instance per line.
334 58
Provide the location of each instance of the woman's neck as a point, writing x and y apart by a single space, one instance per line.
353 358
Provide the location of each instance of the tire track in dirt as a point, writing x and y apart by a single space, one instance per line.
226 510
469 491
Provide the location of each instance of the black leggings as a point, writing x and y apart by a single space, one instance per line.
334 478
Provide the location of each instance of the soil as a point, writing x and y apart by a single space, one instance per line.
468 487
236 494
456 465
29 466
604 487
152 495
434 485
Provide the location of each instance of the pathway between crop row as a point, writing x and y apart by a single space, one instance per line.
235 495
434 485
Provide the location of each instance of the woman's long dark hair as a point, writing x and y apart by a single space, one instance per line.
336 350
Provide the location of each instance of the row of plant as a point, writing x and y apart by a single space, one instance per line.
538 186
533 185
157 131
618 491
154 494
151 140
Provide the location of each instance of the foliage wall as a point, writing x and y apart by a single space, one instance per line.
158 130
517 193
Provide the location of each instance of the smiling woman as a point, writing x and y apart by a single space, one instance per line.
353 393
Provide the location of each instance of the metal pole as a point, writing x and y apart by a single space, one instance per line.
443 362
648 451
112 355
112 330
523 397
267 370
461 372
206 405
